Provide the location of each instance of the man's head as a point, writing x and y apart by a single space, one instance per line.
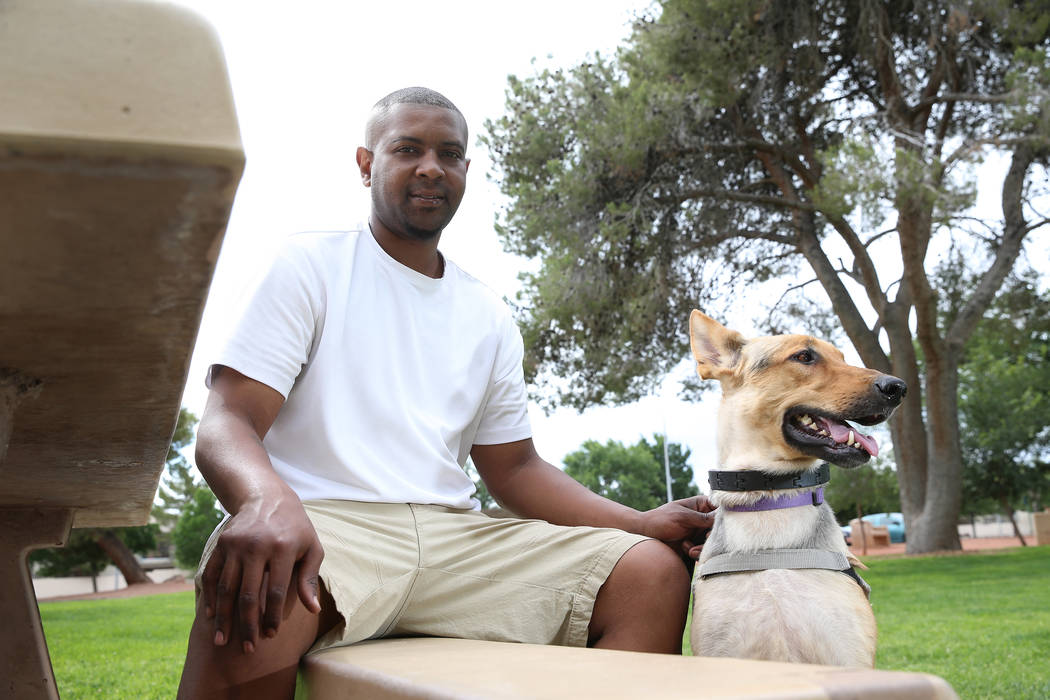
414 160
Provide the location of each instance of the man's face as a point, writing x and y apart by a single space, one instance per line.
416 169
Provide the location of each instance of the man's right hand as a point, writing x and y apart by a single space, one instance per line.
268 553
266 556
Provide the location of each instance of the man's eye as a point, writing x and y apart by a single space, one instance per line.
455 155
804 356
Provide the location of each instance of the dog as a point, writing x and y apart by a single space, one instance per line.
775 580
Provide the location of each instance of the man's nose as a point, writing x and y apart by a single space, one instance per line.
430 165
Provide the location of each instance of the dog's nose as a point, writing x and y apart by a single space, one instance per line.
892 388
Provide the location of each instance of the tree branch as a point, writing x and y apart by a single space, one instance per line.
1014 230
733 195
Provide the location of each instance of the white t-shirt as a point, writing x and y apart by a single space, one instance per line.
389 376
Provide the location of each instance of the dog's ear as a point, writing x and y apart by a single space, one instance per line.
716 348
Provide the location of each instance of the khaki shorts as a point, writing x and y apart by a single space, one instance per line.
402 570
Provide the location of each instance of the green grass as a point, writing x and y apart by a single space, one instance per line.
980 621
118 649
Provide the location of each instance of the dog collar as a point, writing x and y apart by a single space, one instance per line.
807 498
751 480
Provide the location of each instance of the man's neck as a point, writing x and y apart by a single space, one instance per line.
419 255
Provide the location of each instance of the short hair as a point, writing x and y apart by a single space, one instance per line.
408 95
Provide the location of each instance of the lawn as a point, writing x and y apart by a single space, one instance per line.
981 621
118 649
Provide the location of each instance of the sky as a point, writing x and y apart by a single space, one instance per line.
304 76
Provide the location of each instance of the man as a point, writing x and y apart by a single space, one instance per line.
364 371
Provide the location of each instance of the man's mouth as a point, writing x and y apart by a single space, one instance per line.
431 198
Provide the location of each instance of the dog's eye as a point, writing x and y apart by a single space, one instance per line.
805 357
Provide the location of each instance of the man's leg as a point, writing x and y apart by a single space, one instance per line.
269 672
643 604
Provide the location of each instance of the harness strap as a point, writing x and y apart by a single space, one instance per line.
737 562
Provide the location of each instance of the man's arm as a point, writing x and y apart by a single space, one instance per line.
531 487
269 547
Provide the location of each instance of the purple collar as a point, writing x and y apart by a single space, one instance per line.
807 498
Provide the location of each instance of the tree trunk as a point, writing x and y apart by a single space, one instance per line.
1008 509
936 527
122 557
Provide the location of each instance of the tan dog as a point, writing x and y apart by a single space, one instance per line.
775 580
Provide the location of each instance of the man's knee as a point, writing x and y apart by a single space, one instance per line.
226 671
649 576
654 565
642 606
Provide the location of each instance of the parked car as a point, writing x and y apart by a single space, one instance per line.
893 522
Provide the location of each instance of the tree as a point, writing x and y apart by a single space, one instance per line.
635 475
1004 396
89 550
733 144
198 520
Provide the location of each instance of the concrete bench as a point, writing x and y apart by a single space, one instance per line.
119 159
443 669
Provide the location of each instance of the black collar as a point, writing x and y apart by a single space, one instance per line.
764 481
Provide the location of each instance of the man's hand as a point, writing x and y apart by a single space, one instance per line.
681 524
266 550
269 547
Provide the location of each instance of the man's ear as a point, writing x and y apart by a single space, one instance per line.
364 163
715 348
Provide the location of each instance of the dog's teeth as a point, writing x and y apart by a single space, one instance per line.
849 440
805 420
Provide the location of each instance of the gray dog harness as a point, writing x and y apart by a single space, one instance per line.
764 559
740 562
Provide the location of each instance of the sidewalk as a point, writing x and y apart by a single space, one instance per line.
969 544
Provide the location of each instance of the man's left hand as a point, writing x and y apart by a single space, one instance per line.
681 524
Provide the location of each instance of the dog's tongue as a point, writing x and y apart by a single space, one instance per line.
840 433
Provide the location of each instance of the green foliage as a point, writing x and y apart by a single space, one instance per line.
82 555
1004 389
634 475
119 649
194 527
868 489
1004 400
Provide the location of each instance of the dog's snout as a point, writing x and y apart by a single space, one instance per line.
892 388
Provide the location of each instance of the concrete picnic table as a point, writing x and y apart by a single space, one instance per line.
119 158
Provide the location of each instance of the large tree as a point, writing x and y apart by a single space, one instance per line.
734 142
